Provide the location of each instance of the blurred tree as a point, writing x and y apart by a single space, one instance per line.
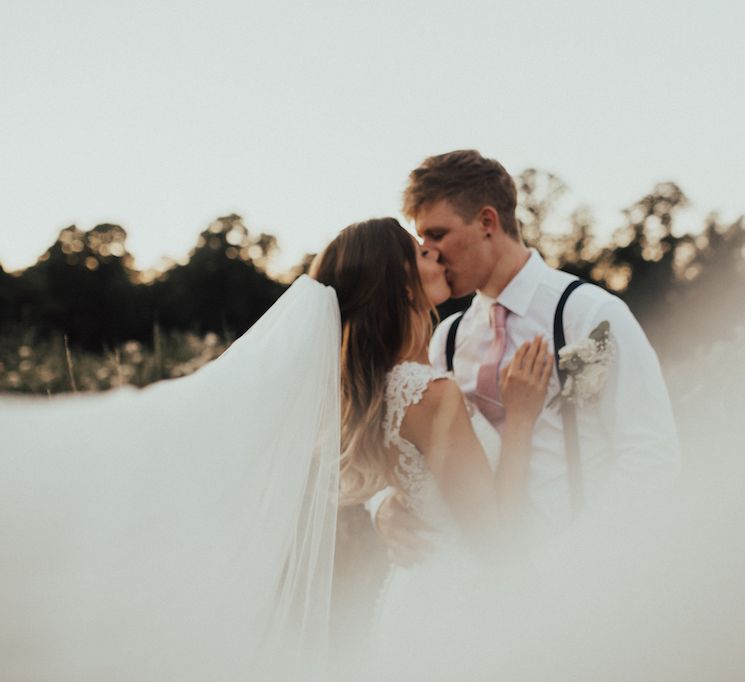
301 268
223 287
640 263
7 299
85 285
82 286
538 192
575 251
708 301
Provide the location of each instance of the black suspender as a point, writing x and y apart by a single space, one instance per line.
568 413
559 339
450 342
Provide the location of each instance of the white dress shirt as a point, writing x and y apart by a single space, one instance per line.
627 439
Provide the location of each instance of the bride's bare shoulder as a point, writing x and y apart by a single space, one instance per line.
440 408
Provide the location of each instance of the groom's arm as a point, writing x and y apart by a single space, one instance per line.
634 407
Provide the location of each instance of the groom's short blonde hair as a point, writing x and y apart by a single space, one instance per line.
469 181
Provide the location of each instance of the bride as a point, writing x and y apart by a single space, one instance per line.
408 425
186 531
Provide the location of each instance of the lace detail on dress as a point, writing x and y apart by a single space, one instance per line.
406 384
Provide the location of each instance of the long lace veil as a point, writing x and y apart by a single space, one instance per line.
184 531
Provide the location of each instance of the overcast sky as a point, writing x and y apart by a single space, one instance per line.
304 117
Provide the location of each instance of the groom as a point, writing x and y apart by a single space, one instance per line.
463 206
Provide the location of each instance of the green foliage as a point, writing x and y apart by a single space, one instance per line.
86 288
29 364
687 290
126 326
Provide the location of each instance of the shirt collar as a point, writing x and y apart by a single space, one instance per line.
519 292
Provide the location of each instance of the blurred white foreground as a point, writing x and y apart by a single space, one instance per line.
650 590
155 537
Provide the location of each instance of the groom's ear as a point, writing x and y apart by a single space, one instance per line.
489 221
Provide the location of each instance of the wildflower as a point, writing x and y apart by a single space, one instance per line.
132 347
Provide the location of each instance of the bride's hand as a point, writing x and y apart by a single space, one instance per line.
524 381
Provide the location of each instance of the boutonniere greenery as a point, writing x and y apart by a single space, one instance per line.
586 366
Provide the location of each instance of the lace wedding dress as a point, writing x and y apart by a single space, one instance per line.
413 600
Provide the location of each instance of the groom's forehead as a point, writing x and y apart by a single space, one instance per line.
436 216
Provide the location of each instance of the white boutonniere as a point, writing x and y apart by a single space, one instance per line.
586 364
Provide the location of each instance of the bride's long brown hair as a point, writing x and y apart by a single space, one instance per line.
385 316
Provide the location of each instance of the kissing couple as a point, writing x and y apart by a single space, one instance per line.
199 541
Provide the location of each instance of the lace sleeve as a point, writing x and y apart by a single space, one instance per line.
406 385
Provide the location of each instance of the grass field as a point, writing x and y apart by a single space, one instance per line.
47 367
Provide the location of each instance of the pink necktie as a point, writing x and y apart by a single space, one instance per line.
487 396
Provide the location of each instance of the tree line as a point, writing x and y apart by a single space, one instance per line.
85 287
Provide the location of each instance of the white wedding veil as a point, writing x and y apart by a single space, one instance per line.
184 531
